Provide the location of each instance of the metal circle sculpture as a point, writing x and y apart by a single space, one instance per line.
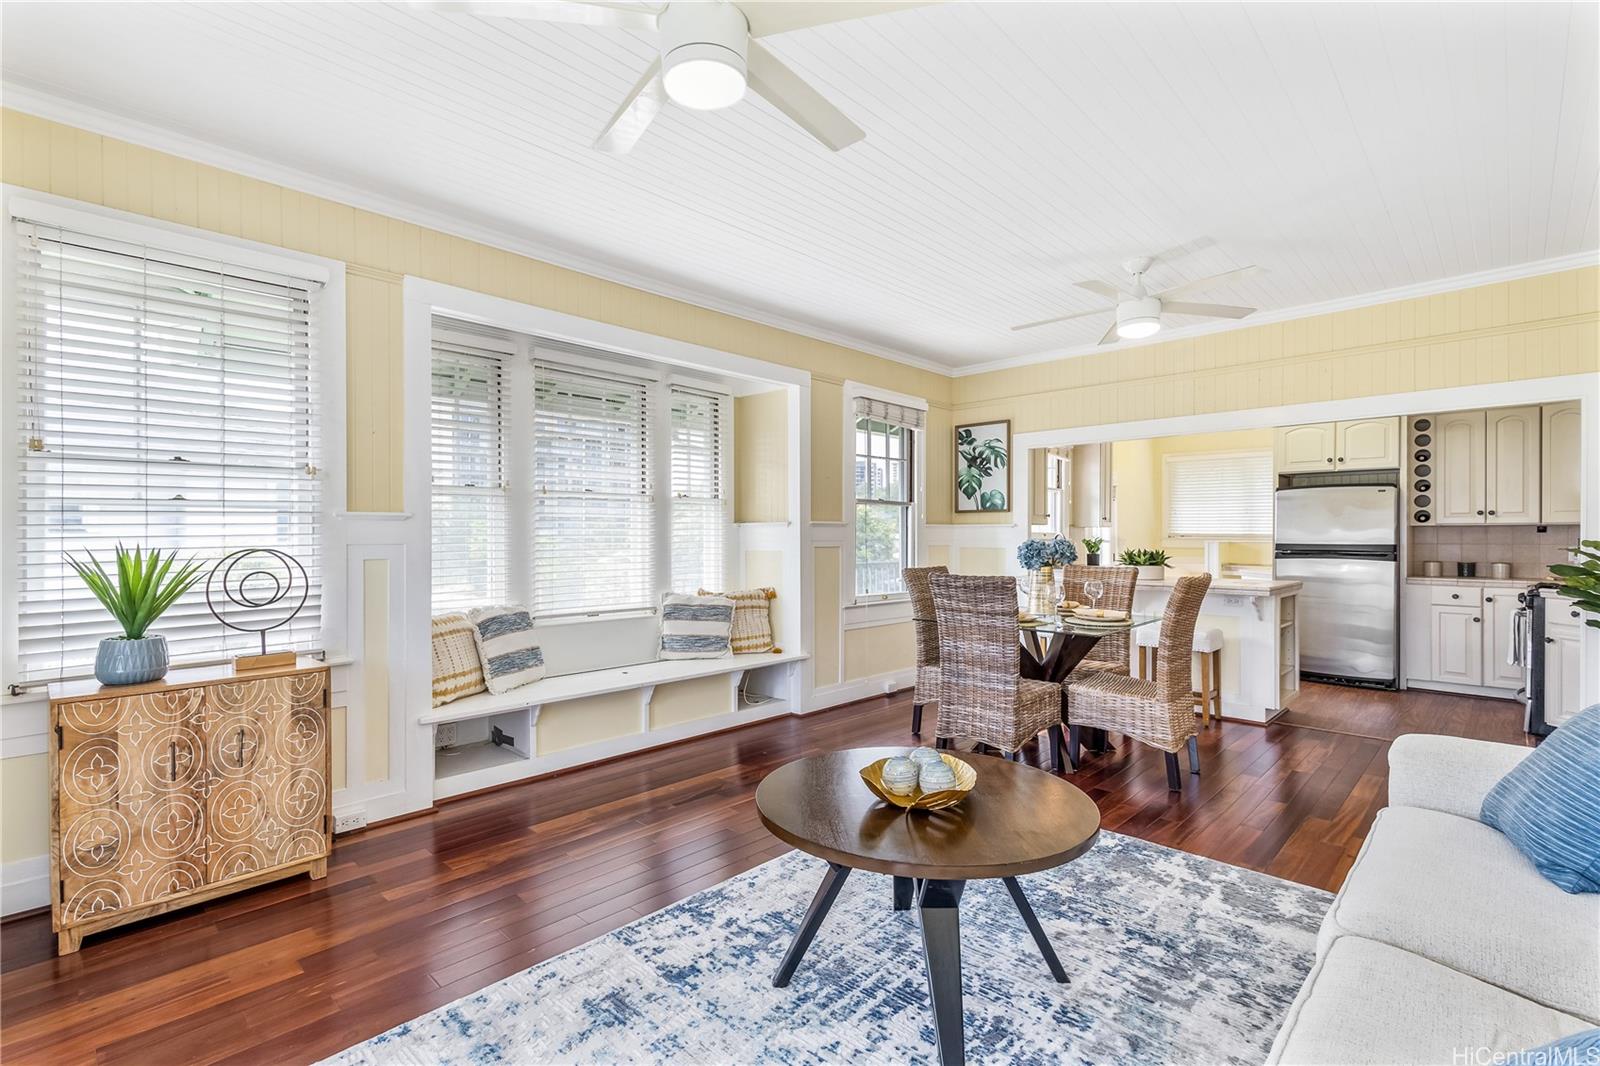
258 580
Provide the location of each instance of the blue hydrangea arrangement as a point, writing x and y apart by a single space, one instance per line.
1057 551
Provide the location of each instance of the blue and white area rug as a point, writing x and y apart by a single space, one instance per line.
1173 958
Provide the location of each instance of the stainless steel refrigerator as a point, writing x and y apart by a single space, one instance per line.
1342 543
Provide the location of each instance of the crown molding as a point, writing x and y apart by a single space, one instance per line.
1286 314
21 96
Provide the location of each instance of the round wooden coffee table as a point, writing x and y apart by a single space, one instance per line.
1017 820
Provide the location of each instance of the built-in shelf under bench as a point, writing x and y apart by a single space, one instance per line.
489 739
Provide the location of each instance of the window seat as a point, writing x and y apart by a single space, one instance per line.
490 739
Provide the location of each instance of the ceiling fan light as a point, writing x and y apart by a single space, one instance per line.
703 76
1138 318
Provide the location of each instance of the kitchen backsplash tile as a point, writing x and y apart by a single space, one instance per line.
1529 551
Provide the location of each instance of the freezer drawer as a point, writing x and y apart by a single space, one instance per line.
1348 619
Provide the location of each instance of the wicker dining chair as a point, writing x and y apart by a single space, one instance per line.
1160 712
982 693
918 584
1112 652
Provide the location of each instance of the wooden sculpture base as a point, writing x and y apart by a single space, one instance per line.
271 661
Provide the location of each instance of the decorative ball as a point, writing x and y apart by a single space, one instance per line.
900 776
924 756
936 777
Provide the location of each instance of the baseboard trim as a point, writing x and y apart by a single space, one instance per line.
862 688
25 885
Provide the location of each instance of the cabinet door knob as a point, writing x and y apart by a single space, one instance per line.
1330 458
1455 595
1491 510
1574 614
1549 640
1475 618
1341 458
1480 512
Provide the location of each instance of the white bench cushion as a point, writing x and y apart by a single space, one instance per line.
1368 1003
1459 893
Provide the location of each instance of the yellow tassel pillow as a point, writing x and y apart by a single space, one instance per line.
457 670
752 619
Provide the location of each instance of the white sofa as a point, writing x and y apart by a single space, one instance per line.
1444 944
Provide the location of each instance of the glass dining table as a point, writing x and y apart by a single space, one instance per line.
1054 646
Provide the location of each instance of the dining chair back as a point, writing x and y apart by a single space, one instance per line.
1113 652
918 581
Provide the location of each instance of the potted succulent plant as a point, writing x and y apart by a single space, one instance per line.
1152 562
144 587
1581 583
1091 549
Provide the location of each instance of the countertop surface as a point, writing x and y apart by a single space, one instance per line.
1234 585
1490 582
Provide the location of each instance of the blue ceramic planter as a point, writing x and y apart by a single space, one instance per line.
121 661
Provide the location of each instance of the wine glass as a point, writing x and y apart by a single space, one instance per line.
1094 590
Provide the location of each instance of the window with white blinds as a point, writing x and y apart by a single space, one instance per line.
1219 497
699 494
165 401
471 529
593 503
885 529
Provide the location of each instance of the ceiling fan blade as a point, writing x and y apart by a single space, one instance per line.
1100 288
781 16
1209 310
1205 283
621 16
638 110
1111 335
785 90
1063 318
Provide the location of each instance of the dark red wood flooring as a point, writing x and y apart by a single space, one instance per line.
415 914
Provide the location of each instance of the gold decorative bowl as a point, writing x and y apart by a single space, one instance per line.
919 800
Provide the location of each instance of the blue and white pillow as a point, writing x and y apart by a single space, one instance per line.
696 627
510 653
1549 805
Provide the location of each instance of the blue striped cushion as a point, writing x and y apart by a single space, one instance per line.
1549 805
696 627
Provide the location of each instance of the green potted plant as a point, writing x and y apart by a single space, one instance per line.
1581 583
1091 549
1152 562
144 587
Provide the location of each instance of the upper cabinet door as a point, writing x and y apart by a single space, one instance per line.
1512 466
1458 469
1367 444
1562 452
1306 449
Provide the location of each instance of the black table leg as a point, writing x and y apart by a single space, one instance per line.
1031 920
832 881
905 893
941 943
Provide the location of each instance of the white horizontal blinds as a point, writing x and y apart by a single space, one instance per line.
699 491
894 414
471 528
1219 497
883 491
593 542
166 401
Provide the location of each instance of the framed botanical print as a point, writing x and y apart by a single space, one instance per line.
983 466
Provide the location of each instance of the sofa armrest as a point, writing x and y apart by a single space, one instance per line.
1448 774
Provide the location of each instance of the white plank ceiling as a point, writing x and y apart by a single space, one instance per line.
1011 148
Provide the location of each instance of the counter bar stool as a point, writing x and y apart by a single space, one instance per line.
1207 645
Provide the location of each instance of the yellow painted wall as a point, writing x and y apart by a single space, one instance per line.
761 457
764 569
1138 469
826 606
688 701
990 562
573 723
1529 328
878 649
24 807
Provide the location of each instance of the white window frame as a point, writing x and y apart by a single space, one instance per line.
328 326
1167 462
877 610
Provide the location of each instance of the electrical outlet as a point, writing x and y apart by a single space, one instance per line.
350 821
444 735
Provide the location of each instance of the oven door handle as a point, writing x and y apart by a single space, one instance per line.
1519 637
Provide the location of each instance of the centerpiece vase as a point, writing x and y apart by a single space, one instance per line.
1042 597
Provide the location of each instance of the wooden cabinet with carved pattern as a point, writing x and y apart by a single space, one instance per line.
168 794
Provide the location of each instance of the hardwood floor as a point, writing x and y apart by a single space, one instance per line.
415 914
1386 715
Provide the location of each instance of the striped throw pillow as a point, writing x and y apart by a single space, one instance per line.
752 618
696 627
1549 805
507 648
456 669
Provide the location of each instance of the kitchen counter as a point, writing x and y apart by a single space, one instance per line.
1490 582
1234 585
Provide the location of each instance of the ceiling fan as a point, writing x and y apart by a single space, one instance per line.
709 55
1139 311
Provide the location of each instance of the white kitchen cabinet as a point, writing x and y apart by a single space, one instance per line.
1499 607
1091 485
1458 477
1457 642
1511 466
1563 660
1561 450
1306 449
1367 444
